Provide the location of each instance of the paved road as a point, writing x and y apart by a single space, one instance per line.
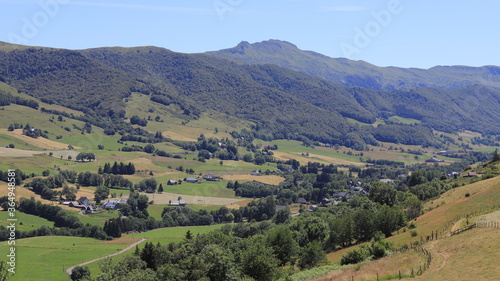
69 270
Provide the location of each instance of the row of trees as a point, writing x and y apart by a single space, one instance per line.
117 168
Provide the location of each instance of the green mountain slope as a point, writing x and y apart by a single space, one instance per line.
359 73
279 102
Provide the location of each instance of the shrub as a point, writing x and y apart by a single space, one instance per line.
413 233
355 256
467 194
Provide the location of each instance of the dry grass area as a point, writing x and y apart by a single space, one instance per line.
455 249
389 266
26 193
302 159
334 160
491 217
14 152
269 179
165 197
471 255
239 204
40 142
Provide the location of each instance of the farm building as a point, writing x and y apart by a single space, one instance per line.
84 201
434 160
471 175
191 180
210 177
113 204
180 203
302 201
75 204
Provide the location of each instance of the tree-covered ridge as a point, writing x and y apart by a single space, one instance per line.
281 103
359 73
68 78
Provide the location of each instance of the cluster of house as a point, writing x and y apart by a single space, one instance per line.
113 204
82 203
207 177
355 189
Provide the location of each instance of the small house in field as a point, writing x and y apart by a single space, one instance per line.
210 177
75 204
172 182
180 203
84 201
191 180
434 160
302 201
255 173
471 175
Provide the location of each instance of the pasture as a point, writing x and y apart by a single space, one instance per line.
46 258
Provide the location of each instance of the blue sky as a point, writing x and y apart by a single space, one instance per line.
402 33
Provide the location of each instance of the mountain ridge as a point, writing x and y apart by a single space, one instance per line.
359 73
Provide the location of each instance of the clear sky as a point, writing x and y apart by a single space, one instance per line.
406 33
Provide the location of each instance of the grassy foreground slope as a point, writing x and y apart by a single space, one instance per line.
471 255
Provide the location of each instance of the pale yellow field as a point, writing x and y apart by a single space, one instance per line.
26 193
39 142
270 179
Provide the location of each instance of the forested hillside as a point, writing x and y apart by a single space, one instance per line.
279 102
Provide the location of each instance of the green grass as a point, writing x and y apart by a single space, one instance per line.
29 165
172 234
313 273
47 258
213 189
401 120
98 218
19 144
26 222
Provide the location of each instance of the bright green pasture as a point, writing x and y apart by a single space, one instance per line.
47 258
25 222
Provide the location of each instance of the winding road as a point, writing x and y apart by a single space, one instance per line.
69 270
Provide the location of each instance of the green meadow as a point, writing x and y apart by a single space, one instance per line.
47 258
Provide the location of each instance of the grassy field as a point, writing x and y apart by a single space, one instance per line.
386 268
46 258
450 208
25 222
172 234
98 218
213 189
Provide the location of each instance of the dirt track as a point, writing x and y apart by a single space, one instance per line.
69 270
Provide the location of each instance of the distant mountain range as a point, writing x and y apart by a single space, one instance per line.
284 92
359 73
